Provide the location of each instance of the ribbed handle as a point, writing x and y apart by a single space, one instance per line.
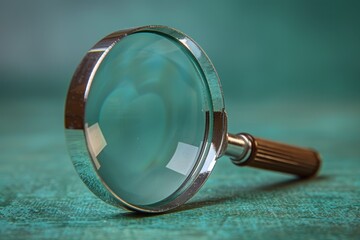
281 157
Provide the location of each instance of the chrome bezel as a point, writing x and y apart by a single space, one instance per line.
75 119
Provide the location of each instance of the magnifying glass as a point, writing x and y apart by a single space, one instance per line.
145 122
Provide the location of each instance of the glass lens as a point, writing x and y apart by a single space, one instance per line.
146 117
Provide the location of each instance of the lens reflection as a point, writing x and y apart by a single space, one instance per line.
145 117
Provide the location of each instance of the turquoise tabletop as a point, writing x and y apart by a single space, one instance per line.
289 71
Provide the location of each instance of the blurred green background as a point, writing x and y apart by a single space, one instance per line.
274 48
290 71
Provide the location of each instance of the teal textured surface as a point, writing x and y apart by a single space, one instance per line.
42 197
290 72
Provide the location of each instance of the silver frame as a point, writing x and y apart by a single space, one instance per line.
75 116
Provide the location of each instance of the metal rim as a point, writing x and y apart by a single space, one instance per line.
75 116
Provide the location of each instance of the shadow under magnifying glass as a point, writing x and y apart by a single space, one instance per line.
273 187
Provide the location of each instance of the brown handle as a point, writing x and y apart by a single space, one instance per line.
279 157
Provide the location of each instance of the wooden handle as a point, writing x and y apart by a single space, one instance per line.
281 157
